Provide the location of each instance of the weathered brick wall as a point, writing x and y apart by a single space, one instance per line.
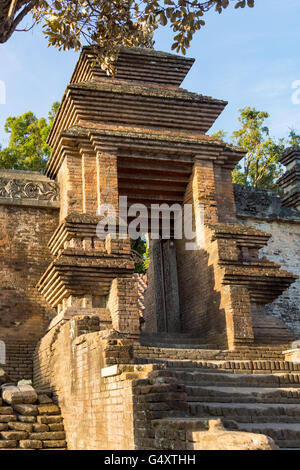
263 210
29 203
110 408
284 249
96 410
24 234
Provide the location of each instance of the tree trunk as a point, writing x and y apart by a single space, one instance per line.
12 12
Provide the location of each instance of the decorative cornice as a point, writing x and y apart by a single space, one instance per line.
28 189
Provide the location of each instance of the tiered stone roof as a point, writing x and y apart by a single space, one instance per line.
156 128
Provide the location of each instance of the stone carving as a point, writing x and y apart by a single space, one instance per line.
25 189
262 203
251 200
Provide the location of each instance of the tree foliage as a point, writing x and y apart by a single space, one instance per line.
260 167
68 24
27 148
140 249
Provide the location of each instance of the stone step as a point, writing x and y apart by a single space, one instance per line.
191 377
242 394
172 340
247 412
156 355
165 335
209 363
284 434
173 345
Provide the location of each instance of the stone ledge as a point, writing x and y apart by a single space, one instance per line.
33 203
27 188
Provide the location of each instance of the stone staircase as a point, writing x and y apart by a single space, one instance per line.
26 426
265 402
253 390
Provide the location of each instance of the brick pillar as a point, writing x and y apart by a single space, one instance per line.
89 181
123 305
107 174
237 306
217 313
123 296
194 274
225 195
201 190
70 181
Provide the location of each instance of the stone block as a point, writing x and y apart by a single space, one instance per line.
44 399
27 419
8 444
30 444
54 444
42 428
48 409
232 440
49 419
45 436
7 418
26 410
14 435
56 427
17 426
24 394
6 410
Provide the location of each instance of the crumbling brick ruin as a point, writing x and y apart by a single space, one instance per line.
214 362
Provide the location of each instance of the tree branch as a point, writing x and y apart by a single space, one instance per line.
11 24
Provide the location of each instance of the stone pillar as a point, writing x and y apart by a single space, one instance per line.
290 181
212 307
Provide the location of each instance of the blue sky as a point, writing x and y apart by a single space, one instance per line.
247 57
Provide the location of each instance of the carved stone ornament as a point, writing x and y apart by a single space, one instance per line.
24 189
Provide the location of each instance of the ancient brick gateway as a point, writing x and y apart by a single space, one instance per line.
220 323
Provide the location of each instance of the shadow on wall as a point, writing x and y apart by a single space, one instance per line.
200 301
